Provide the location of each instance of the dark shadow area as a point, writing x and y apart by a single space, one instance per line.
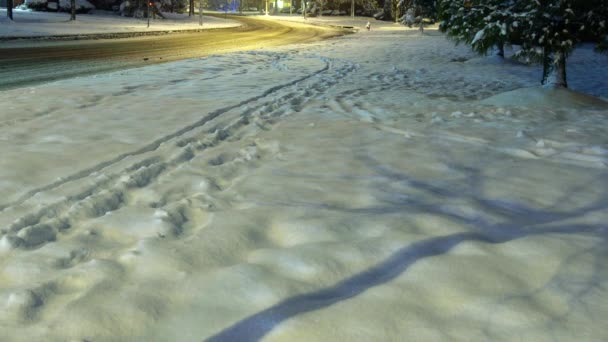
516 221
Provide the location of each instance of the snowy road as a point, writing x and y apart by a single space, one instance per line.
28 63
382 186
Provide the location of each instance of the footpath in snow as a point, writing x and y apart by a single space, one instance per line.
47 24
380 186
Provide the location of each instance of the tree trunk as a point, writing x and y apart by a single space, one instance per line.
9 9
500 49
352 8
388 4
191 11
554 70
73 9
275 8
200 12
395 9
304 8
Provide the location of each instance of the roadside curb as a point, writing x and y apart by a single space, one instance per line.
116 35
348 28
345 27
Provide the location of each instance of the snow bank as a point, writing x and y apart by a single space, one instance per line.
346 21
27 24
549 98
36 4
81 5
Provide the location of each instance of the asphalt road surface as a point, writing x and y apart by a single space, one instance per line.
29 63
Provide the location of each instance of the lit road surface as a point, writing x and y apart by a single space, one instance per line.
24 63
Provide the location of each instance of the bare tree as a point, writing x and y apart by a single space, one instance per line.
73 10
322 4
200 12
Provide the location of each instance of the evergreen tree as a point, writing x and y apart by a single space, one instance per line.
424 8
597 20
482 24
427 8
388 9
412 9
551 29
547 30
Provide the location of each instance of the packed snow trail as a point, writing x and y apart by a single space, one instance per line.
360 199
155 144
102 197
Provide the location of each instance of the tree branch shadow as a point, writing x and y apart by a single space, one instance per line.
517 221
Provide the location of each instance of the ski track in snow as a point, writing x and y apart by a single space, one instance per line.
76 237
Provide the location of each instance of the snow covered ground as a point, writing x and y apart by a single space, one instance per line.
29 23
382 186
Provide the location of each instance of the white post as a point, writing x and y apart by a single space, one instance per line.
266 7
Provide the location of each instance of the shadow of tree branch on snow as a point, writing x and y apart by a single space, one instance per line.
515 221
